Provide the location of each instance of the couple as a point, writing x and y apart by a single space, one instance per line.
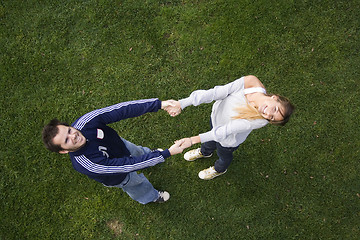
97 151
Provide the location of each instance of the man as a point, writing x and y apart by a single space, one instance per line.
97 151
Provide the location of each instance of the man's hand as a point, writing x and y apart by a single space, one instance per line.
176 148
167 103
172 107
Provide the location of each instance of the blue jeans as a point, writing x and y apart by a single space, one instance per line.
137 186
225 154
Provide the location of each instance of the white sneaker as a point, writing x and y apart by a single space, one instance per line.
194 154
163 197
209 173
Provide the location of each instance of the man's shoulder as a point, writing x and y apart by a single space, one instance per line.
87 121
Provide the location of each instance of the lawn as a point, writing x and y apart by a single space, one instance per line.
65 58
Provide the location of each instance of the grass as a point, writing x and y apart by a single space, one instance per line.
65 58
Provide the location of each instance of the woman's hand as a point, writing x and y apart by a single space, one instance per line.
172 107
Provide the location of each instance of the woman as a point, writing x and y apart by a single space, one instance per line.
241 106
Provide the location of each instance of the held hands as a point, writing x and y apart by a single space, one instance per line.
180 145
177 147
172 107
185 142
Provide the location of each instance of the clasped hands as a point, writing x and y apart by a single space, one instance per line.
173 108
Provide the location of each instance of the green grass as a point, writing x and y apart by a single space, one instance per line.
65 58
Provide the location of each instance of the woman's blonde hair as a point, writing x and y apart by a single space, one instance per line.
251 113
247 112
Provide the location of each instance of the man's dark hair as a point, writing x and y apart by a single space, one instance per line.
48 134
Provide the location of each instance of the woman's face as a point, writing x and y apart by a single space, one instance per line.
271 109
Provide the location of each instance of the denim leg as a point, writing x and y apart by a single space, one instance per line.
225 155
207 148
137 186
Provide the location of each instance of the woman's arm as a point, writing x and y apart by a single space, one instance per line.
206 96
188 142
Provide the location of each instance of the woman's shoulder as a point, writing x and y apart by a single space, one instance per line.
251 81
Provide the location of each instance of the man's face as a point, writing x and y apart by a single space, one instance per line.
69 139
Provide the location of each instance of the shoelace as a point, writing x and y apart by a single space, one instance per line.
197 152
210 170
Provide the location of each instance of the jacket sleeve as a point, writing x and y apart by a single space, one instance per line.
102 165
233 127
217 93
119 112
